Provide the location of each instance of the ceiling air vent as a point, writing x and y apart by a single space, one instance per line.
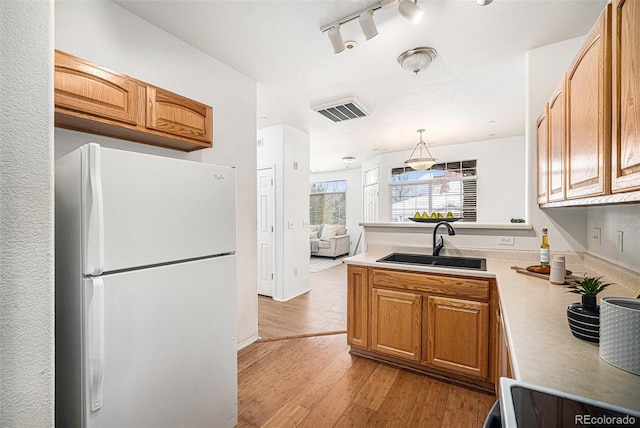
339 111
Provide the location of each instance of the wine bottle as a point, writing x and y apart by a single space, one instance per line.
544 248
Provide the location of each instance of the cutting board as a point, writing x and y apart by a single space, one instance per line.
524 271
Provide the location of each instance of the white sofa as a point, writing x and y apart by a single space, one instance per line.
329 240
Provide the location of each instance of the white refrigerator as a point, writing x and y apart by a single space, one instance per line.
145 291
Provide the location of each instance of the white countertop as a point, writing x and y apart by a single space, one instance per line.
543 350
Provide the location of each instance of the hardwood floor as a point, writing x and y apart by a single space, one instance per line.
320 311
300 373
315 382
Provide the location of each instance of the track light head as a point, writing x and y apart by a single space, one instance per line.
410 10
336 39
368 25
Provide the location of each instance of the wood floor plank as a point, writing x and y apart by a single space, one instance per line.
462 408
400 400
320 310
430 404
356 416
289 415
332 405
485 402
374 392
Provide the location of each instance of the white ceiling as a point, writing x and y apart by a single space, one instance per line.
478 76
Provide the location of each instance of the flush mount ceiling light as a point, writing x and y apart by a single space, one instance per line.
407 8
410 10
348 160
483 2
418 59
420 162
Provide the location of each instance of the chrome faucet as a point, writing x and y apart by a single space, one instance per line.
436 249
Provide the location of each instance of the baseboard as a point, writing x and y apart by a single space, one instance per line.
247 342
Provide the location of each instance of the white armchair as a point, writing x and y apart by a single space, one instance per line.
329 240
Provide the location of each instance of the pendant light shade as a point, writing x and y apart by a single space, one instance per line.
420 162
336 39
367 25
416 60
411 11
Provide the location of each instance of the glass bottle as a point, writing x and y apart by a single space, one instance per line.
544 248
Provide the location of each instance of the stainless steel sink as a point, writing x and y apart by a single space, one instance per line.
437 261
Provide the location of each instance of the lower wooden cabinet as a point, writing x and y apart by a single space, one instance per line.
357 306
430 322
458 332
396 323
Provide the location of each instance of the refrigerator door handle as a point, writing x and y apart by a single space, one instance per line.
95 341
94 262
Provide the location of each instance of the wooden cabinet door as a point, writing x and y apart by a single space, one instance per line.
84 89
357 306
396 326
458 335
173 114
626 96
543 157
557 136
589 115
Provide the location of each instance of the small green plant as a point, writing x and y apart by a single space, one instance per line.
588 286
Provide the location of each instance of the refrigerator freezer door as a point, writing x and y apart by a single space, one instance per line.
169 347
157 209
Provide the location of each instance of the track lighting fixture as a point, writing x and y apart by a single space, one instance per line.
410 10
336 39
407 8
368 25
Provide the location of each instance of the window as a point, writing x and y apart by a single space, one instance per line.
328 203
446 187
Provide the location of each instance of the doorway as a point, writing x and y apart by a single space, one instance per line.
266 231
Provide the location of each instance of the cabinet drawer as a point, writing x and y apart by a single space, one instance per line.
471 288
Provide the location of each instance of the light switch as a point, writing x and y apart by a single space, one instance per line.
596 235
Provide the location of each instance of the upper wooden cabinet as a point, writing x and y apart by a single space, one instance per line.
543 157
96 100
626 96
588 104
176 115
557 143
86 89
599 161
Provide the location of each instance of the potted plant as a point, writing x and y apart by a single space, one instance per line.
584 318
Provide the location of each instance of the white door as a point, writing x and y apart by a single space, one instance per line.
266 232
370 203
168 353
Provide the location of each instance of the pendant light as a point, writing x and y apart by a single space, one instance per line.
420 163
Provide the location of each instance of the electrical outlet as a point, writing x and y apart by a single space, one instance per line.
596 235
506 240
619 240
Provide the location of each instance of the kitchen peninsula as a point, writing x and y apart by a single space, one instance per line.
536 337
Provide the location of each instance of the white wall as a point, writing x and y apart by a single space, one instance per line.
353 176
26 215
500 176
567 226
110 36
287 150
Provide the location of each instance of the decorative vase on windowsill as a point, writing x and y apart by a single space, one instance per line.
584 318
